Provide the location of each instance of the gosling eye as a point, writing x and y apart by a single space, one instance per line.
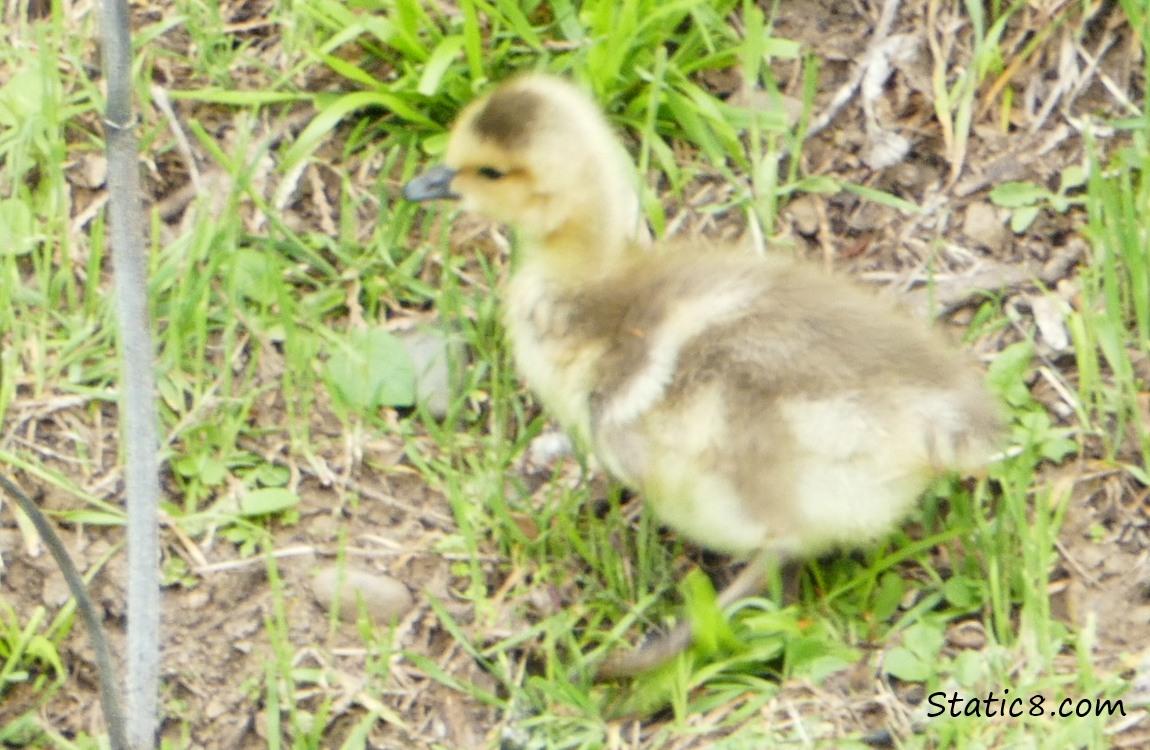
490 173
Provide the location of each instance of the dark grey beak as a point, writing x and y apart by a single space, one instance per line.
432 184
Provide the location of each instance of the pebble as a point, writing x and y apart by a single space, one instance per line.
986 225
384 597
430 350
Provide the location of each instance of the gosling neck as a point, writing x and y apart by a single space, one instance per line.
590 243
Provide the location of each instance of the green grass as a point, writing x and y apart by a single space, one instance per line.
253 316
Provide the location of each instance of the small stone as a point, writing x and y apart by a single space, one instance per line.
967 635
547 448
384 597
804 212
430 350
197 600
984 224
884 148
1050 313
89 171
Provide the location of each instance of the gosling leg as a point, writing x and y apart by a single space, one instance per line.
751 580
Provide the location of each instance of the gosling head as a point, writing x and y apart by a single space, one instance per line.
537 153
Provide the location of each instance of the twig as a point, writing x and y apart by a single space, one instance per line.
846 91
960 291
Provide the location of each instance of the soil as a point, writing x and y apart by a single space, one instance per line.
360 493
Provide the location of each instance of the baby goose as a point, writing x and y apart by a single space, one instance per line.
757 405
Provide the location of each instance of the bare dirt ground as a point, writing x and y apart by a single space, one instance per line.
215 652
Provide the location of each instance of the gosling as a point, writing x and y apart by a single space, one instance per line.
758 405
